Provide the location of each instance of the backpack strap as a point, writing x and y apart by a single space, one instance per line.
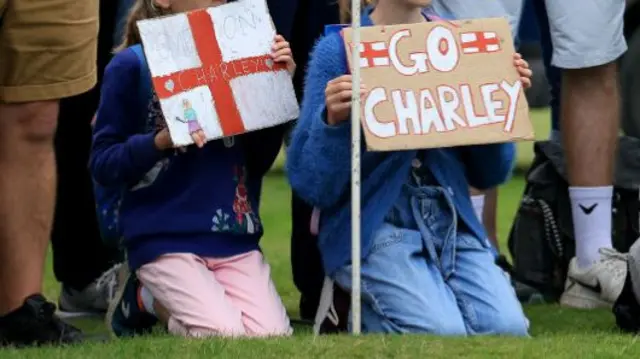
144 90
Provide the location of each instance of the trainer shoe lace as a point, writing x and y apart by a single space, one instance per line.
107 284
611 261
613 273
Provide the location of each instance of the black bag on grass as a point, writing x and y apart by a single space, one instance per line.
541 240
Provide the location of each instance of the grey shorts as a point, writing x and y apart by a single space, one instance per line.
474 9
586 33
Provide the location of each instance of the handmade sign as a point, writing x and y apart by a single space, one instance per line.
440 84
212 71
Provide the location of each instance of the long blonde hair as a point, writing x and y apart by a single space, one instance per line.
345 8
141 10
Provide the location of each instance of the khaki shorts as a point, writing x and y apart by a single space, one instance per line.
48 49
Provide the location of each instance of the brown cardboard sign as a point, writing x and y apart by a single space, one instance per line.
440 84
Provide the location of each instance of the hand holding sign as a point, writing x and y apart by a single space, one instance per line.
523 69
441 84
281 52
163 140
218 72
338 99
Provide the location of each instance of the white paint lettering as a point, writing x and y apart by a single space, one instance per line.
379 129
492 106
419 59
406 110
473 119
449 106
513 91
442 49
429 113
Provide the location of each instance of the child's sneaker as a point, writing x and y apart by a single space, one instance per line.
332 315
125 318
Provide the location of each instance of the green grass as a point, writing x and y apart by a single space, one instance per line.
556 332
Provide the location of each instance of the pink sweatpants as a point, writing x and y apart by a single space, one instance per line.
217 297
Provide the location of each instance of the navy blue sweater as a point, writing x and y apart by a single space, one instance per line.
319 166
204 201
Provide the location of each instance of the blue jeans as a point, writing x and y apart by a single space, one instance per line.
425 274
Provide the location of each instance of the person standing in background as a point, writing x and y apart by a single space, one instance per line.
84 265
48 53
485 203
581 43
308 275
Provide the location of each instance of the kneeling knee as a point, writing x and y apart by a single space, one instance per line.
205 330
434 325
272 329
273 332
508 324
450 328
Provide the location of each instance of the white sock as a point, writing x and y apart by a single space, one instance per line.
147 300
591 212
478 205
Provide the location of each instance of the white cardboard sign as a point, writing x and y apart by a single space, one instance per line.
212 71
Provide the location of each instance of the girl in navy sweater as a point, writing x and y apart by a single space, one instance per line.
427 265
190 218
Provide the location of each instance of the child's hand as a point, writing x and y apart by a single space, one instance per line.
199 138
523 69
163 140
338 99
281 52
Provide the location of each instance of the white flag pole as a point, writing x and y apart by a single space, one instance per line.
355 169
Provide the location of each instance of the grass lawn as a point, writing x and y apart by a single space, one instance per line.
557 332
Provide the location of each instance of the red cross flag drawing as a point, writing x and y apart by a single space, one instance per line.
479 42
212 70
374 54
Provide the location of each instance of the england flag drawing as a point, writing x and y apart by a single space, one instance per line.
374 54
212 71
479 42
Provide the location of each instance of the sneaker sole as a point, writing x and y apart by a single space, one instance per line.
74 315
113 306
571 300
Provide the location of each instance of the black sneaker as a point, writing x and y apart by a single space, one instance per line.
626 309
307 308
526 294
35 323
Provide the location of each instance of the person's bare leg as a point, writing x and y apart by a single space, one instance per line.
489 218
590 102
485 206
27 189
590 112
161 312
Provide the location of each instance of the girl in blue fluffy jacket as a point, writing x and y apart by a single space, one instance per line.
427 265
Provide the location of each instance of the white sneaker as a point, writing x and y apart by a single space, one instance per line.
597 286
326 309
92 300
